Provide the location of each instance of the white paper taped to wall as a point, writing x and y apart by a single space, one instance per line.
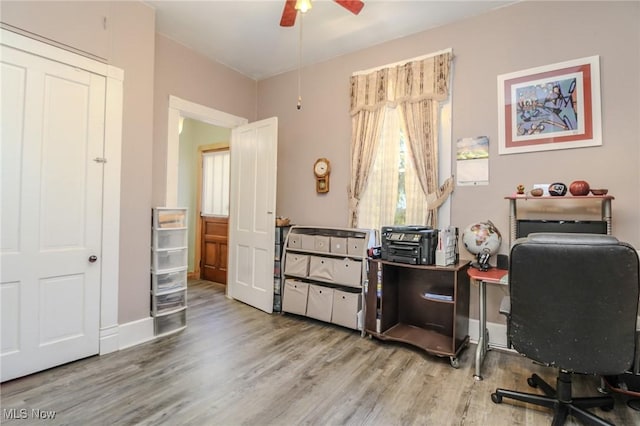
472 161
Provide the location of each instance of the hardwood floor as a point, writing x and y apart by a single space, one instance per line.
235 365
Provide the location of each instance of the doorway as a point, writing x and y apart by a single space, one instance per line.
252 207
213 204
201 167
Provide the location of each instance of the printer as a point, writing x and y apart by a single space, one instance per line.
411 244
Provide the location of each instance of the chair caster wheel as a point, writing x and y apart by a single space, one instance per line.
532 382
497 399
607 407
454 362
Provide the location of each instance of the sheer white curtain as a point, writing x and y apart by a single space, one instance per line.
382 182
416 199
380 201
215 183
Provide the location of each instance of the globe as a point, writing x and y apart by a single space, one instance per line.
481 237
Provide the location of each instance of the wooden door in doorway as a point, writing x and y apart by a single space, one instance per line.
214 248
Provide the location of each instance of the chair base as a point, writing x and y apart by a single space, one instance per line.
560 401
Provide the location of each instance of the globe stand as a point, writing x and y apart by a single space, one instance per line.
483 260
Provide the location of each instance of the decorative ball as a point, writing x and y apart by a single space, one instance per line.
557 189
579 187
481 236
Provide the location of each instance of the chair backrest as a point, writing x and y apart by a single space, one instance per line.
574 301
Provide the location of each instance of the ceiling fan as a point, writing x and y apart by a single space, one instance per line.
291 8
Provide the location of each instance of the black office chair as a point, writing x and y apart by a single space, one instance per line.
574 305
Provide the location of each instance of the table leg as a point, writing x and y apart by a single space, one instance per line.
483 342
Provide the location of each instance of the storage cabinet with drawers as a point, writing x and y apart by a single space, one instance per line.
169 269
281 236
325 273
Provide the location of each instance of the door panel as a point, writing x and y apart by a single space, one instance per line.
252 207
52 190
214 248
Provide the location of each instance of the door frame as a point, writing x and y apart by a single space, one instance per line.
181 108
108 333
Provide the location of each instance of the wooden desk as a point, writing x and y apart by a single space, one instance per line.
492 276
426 306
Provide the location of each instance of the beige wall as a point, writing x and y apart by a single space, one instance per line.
127 42
183 73
510 39
525 35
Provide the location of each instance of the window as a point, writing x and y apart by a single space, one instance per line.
215 183
400 143
393 195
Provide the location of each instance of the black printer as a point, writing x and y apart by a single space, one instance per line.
411 244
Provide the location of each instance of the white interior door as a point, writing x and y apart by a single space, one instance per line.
52 130
252 213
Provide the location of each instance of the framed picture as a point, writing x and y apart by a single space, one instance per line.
550 107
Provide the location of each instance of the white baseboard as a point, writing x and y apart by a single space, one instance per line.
135 332
109 339
497 333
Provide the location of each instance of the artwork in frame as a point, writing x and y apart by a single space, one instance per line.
550 107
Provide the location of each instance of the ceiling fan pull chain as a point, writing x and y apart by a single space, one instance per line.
299 106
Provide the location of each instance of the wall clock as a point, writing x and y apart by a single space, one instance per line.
322 170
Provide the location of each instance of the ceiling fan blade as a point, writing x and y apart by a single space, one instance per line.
289 14
353 6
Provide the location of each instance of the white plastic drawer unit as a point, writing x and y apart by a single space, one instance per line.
169 218
169 238
165 303
168 259
170 322
169 281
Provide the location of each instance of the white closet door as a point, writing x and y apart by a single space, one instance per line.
52 130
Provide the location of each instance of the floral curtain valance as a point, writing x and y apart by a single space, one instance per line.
411 82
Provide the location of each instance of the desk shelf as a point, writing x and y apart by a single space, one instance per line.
604 200
398 307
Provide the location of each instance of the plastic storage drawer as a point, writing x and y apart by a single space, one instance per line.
165 303
169 281
170 323
169 218
169 238
168 259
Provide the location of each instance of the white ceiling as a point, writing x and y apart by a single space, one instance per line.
247 37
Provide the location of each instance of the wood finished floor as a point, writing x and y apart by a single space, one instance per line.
235 365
